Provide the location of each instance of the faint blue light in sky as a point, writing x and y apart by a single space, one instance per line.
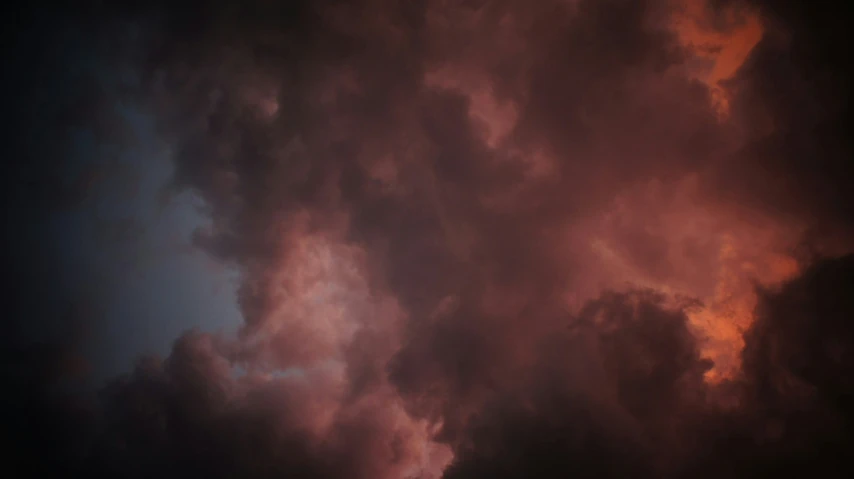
129 254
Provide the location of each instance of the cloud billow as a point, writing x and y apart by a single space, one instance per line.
485 239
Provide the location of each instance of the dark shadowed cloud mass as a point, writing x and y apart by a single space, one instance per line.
504 239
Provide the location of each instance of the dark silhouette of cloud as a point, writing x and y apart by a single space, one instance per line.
475 239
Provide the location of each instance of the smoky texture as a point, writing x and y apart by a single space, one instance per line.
592 238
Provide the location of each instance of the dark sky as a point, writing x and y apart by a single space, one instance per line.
428 239
121 241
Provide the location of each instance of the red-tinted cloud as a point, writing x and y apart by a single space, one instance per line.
499 239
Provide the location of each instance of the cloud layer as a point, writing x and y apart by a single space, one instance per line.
475 239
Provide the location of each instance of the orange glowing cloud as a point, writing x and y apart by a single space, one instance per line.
720 45
667 237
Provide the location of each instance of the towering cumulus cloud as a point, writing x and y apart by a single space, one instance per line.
563 238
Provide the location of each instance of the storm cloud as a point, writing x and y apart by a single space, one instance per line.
474 239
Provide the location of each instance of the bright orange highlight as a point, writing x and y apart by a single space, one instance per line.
720 49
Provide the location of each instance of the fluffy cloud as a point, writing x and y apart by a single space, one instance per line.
479 239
